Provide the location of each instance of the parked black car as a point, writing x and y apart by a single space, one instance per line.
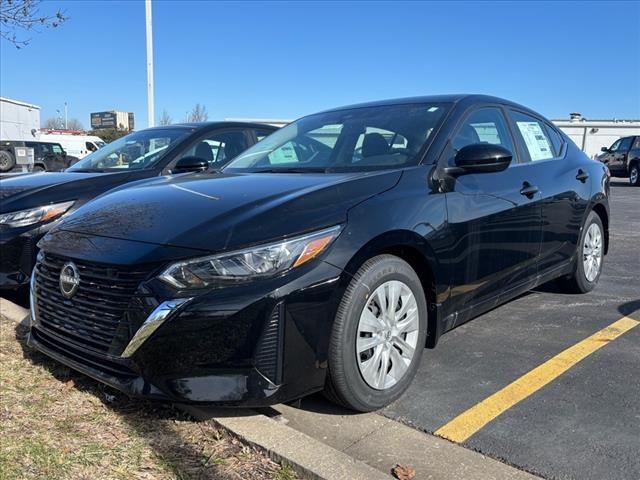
31 204
325 257
47 156
623 158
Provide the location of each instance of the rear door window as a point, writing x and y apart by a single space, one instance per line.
534 136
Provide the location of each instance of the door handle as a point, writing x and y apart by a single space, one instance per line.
529 190
582 176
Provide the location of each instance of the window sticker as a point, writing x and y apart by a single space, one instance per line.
537 142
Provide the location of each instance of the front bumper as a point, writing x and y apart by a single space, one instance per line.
251 345
17 258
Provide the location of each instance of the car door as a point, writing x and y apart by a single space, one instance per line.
495 219
613 158
59 158
622 156
564 186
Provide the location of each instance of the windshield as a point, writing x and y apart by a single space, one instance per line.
367 138
135 151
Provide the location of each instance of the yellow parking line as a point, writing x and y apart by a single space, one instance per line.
469 422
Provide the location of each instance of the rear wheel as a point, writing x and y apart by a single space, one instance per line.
634 175
7 161
588 266
38 168
378 335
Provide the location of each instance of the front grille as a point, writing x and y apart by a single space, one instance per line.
96 312
103 365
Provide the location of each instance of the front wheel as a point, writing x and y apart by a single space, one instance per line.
590 254
378 335
634 175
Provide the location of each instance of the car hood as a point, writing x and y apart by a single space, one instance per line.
31 190
225 211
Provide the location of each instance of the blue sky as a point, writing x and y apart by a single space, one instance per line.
286 59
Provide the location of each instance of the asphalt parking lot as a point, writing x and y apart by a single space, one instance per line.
569 418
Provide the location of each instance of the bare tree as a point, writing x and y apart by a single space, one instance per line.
58 123
24 15
165 118
198 114
74 124
52 123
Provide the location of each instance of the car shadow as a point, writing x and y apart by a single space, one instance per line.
148 419
629 308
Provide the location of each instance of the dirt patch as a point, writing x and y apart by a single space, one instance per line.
56 423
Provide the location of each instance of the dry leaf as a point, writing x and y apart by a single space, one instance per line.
66 386
403 472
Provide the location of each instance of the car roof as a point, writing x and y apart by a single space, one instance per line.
451 98
212 125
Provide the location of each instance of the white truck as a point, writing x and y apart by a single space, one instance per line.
75 144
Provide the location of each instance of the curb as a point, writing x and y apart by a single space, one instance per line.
308 457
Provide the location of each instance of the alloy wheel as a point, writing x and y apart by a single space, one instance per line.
592 252
387 335
633 175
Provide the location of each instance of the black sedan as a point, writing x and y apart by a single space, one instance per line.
31 204
325 257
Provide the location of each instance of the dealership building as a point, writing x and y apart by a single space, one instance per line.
592 135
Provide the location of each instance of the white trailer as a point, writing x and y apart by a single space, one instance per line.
19 120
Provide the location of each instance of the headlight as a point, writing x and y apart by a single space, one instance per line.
45 213
245 265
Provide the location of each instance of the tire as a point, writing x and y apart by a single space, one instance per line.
582 280
38 168
634 175
7 161
352 377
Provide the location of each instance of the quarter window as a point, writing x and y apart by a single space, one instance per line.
556 140
486 125
534 137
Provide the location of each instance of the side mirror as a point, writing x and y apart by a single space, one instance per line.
191 164
604 149
480 158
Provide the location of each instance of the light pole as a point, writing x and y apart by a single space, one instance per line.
66 117
150 114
